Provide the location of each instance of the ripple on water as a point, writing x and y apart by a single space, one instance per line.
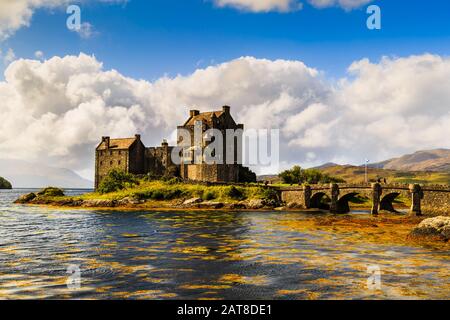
205 255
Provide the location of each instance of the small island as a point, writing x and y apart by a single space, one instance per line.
5 184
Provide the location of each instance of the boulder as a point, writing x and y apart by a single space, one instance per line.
26 198
255 204
192 201
438 227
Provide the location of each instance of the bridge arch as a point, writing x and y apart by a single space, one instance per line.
343 202
387 202
317 201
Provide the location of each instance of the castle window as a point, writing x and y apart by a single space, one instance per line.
110 153
101 163
119 162
111 162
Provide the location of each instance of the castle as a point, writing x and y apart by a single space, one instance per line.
132 156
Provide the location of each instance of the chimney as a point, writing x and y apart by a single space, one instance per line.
165 143
138 137
226 109
194 113
106 140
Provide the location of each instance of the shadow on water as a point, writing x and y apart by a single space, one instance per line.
192 255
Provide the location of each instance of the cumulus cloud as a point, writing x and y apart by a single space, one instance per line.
56 110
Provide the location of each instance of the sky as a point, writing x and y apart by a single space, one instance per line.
336 90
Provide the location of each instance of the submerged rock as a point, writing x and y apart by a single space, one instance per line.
438 227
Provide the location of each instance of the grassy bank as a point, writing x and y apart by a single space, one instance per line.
166 190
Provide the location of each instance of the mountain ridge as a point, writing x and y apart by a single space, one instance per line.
23 174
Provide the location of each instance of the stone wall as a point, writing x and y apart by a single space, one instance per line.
107 160
430 199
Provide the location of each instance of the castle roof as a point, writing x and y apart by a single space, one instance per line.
117 144
205 117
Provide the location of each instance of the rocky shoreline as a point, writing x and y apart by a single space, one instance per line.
130 203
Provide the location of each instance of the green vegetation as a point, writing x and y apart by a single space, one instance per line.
297 175
116 180
159 190
5 184
51 192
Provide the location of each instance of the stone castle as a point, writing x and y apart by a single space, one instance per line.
132 156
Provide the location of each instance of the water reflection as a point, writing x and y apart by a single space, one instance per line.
201 255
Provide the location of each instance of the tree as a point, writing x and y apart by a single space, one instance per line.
116 180
297 175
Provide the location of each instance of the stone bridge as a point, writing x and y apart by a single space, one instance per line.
422 198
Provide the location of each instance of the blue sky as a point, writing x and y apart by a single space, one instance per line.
147 39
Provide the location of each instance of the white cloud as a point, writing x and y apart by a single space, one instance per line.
261 5
345 4
86 30
15 14
39 55
288 5
55 111
8 57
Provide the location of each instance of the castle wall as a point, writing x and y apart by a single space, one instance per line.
107 160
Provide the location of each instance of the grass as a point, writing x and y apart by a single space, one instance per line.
161 190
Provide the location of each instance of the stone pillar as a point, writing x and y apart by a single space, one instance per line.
376 198
334 198
416 199
307 194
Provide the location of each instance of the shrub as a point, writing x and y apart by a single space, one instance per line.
116 180
234 193
209 195
51 192
269 194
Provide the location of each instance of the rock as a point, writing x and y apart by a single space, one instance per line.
434 227
210 205
129 201
255 204
51 192
26 198
192 201
294 205
100 203
236 206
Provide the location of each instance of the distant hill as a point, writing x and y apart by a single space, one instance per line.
5 184
24 174
356 174
437 160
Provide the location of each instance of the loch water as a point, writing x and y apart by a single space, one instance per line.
201 255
